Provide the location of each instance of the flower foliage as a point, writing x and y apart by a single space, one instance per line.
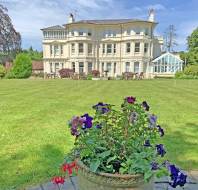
122 141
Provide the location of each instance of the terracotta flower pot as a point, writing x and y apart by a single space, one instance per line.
88 180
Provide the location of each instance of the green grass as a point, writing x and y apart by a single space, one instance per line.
33 116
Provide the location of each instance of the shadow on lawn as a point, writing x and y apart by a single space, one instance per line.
182 146
45 160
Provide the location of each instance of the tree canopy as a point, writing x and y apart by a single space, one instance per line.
191 57
10 40
22 67
193 41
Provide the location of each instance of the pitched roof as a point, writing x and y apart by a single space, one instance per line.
109 21
166 54
37 65
57 27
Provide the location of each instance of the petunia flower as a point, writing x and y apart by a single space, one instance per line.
154 166
87 120
147 143
101 108
130 99
160 150
177 177
145 105
161 131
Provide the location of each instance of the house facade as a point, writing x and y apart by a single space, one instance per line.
110 46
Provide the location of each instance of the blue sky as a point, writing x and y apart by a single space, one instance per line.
29 16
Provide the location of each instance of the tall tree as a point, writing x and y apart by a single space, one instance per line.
193 41
170 38
10 40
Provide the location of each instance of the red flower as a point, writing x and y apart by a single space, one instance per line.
69 167
58 180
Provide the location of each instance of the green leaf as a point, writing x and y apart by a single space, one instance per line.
111 159
104 154
147 175
94 165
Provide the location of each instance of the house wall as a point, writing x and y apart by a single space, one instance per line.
102 35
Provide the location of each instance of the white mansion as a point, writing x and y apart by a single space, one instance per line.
116 46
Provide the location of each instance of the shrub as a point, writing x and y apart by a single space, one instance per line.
89 77
66 73
179 74
191 70
22 67
95 73
2 71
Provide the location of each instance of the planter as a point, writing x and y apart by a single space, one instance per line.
88 180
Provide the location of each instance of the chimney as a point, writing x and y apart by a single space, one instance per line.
71 18
151 17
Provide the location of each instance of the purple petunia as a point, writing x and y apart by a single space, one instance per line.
75 123
147 143
133 117
99 126
130 99
160 150
154 166
87 121
177 177
101 108
161 131
152 119
145 105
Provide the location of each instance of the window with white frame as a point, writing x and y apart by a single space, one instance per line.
74 67
56 50
103 48
146 32
128 32
109 48
89 33
102 67
146 45
51 49
56 68
127 67
136 67
80 47
128 47
114 48
72 33
109 67
51 68
137 31
137 47
73 48
81 67
89 48
61 49
115 67
90 67
81 33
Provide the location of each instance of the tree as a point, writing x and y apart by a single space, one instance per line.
22 67
193 41
10 40
191 57
34 54
170 38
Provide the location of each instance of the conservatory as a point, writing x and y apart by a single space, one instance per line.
167 64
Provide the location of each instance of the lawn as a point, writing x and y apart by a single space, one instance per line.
33 115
